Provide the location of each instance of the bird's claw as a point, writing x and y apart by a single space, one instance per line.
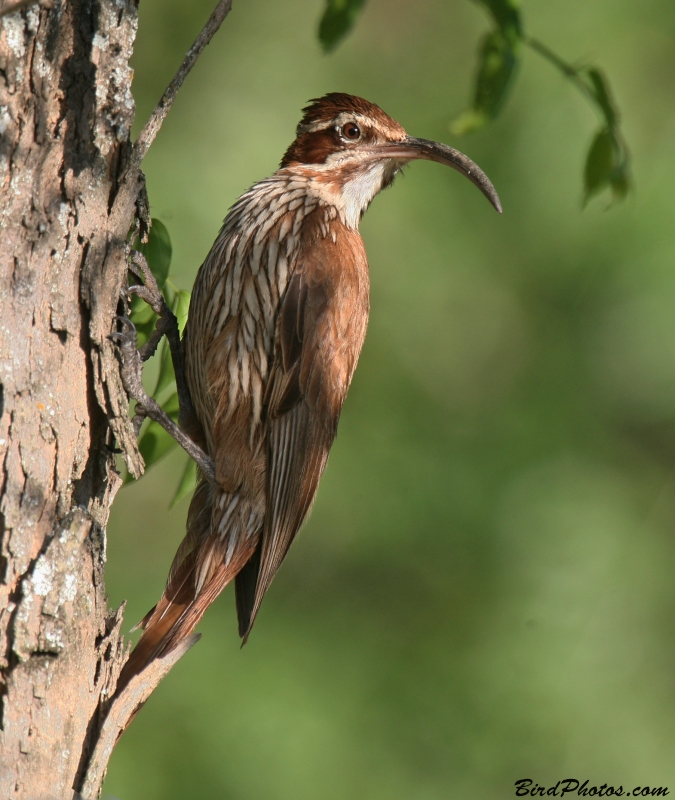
133 357
132 364
126 323
148 289
126 339
153 298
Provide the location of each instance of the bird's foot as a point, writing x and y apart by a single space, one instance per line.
167 325
132 378
148 290
132 362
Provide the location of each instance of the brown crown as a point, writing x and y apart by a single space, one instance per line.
326 108
313 147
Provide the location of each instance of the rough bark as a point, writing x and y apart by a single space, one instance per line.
69 188
65 111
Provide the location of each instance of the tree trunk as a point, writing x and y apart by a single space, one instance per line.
67 204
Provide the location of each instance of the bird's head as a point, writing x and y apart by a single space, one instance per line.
354 150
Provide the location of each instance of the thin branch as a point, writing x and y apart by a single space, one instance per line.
610 116
605 105
568 70
151 128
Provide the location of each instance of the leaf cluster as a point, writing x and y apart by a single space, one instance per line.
608 159
498 60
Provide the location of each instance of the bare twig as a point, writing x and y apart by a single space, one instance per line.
151 128
568 70
131 181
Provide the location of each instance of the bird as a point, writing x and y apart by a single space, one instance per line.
276 323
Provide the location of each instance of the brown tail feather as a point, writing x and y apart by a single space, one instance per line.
144 622
179 611
174 618
244 584
198 575
159 625
162 625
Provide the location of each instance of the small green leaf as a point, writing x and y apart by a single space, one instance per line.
187 482
468 122
506 13
497 66
166 374
620 182
603 96
608 160
496 70
601 162
155 443
157 251
337 20
141 312
181 306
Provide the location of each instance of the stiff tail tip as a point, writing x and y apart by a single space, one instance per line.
154 669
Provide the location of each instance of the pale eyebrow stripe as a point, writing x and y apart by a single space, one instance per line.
342 117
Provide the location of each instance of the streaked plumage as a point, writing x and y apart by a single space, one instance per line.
276 324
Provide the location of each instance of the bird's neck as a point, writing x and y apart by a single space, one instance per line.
349 188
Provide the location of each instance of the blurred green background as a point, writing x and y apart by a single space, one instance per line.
484 591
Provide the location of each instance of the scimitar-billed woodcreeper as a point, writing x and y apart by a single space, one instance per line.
276 323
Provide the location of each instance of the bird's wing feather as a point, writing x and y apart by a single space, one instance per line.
317 344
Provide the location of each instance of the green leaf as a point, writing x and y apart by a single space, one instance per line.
603 96
496 70
621 182
141 312
468 122
506 14
181 306
157 251
337 20
608 159
187 482
166 374
155 443
599 164
497 66
607 166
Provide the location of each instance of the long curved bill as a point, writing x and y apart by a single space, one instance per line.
411 148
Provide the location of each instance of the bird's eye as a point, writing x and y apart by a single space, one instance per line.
351 131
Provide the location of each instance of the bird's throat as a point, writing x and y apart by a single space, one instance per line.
351 187
358 189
